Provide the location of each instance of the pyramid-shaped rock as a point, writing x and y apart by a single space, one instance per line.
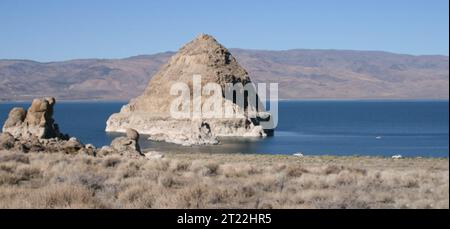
150 113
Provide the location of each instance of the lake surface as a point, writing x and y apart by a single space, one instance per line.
381 128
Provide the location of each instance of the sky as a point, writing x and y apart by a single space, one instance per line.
55 30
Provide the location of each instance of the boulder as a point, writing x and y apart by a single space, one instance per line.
132 134
90 146
16 117
106 150
90 149
7 141
72 146
126 145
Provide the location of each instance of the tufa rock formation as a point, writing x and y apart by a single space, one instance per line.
36 122
7 141
130 143
36 131
150 113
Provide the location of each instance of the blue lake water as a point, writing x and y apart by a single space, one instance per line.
381 128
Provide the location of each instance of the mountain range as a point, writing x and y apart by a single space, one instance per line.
301 74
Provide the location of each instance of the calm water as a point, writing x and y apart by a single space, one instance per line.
410 128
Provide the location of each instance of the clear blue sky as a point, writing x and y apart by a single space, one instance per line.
51 30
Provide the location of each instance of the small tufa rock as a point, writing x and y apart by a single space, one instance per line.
89 146
124 144
204 134
398 156
128 144
15 117
132 134
72 146
298 154
106 150
90 149
6 141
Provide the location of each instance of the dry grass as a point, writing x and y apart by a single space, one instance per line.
221 181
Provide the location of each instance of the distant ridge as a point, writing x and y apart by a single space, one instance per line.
301 73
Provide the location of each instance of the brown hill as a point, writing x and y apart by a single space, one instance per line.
300 73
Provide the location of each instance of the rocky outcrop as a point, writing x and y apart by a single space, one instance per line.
35 131
123 146
7 141
194 133
150 113
36 122
132 134
40 145
15 118
128 144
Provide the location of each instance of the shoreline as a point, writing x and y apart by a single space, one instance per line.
239 157
307 156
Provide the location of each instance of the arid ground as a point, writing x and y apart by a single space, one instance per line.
44 180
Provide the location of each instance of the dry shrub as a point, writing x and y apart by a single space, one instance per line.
210 169
7 178
317 197
345 178
66 196
267 183
219 196
8 167
266 206
207 168
166 180
25 173
128 169
295 170
160 165
238 170
411 183
90 180
111 161
358 171
15 157
332 169
179 166
247 191
278 167
386 199
308 181
138 196
192 196
19 175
